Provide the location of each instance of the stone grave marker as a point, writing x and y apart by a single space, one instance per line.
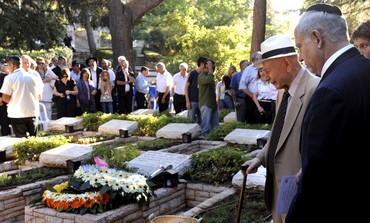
246 136
153 112
60 124
58 157
150 161
231 117
254 180
183 114
6 144
114 125
175 130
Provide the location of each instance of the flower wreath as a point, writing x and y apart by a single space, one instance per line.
96 189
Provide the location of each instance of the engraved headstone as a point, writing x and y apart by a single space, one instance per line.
175 130
60 124
246 136
58 157
231 117
150 161
114 125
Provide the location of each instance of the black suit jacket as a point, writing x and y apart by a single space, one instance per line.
332 145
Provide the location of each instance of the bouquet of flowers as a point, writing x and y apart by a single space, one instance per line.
96 189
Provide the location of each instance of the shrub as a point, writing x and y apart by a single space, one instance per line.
115 157
155 144
31 148
215 166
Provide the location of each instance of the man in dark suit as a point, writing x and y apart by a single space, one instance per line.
328 186
62 63
95 70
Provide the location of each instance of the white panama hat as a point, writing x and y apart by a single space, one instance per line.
275 47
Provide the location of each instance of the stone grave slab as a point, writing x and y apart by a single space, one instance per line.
183 114
153 112
246 136
59 124
254 180
150 161
175 130
57 157
114 125
6 143
231 117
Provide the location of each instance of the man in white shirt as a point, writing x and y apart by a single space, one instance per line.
246 83
178 89
164 82
22 91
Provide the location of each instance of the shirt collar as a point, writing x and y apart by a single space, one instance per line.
333 57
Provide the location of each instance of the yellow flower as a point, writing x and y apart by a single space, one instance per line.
60 187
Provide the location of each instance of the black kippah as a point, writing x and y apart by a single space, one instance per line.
322 7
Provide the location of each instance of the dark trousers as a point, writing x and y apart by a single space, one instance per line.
250 111
4 121
23 125
266 117
179 103
97 100
141 102
125 104
163 106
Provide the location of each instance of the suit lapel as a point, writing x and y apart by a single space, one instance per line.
293 109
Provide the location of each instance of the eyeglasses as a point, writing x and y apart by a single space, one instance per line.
64 76
40 63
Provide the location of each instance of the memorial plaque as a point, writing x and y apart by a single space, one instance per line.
150 161
246 136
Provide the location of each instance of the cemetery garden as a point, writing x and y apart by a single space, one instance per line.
141 167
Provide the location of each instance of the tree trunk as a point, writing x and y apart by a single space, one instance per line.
89 30
259 24
121 21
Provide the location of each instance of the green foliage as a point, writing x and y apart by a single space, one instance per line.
222 130
92 121
29 176
47 54
33 25
4 179
155 144
223 113
114 155
31 148
89 140
215 166
217 29
104 53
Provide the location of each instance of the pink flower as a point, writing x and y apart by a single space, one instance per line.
100 162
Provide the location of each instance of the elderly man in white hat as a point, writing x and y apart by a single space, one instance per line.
281 155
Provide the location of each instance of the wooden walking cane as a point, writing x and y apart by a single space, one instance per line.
242 191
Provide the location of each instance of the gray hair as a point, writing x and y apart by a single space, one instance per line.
256 56
332 27
161 65
121 58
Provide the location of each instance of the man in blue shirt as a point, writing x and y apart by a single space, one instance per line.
142 88
238 95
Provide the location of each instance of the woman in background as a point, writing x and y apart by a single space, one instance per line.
65 92
86 92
